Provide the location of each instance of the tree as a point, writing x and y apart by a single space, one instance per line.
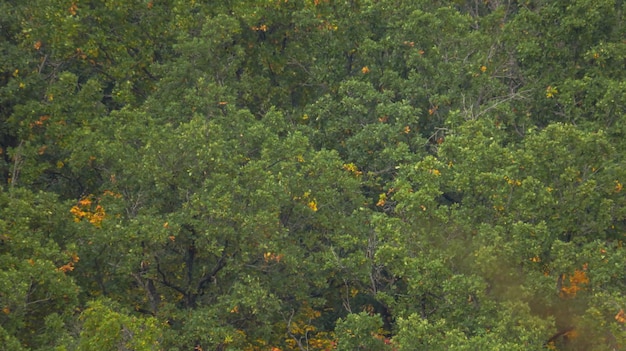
37 294
311 175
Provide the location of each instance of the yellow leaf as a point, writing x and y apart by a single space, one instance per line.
262 28
351 167
551 91
382 199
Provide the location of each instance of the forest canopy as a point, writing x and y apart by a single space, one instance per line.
312 175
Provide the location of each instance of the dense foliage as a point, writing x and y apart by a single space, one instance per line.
312 175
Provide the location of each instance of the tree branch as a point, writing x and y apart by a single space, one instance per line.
221 263
164 280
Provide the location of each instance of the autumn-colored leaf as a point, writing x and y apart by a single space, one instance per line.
620 317
551 92
576 283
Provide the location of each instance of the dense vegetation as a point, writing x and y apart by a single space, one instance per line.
312 175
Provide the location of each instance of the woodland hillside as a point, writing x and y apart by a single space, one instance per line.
312 175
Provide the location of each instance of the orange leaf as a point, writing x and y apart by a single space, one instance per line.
620 317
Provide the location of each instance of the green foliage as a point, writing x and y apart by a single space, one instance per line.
312 175
37 295
105 328
360 332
